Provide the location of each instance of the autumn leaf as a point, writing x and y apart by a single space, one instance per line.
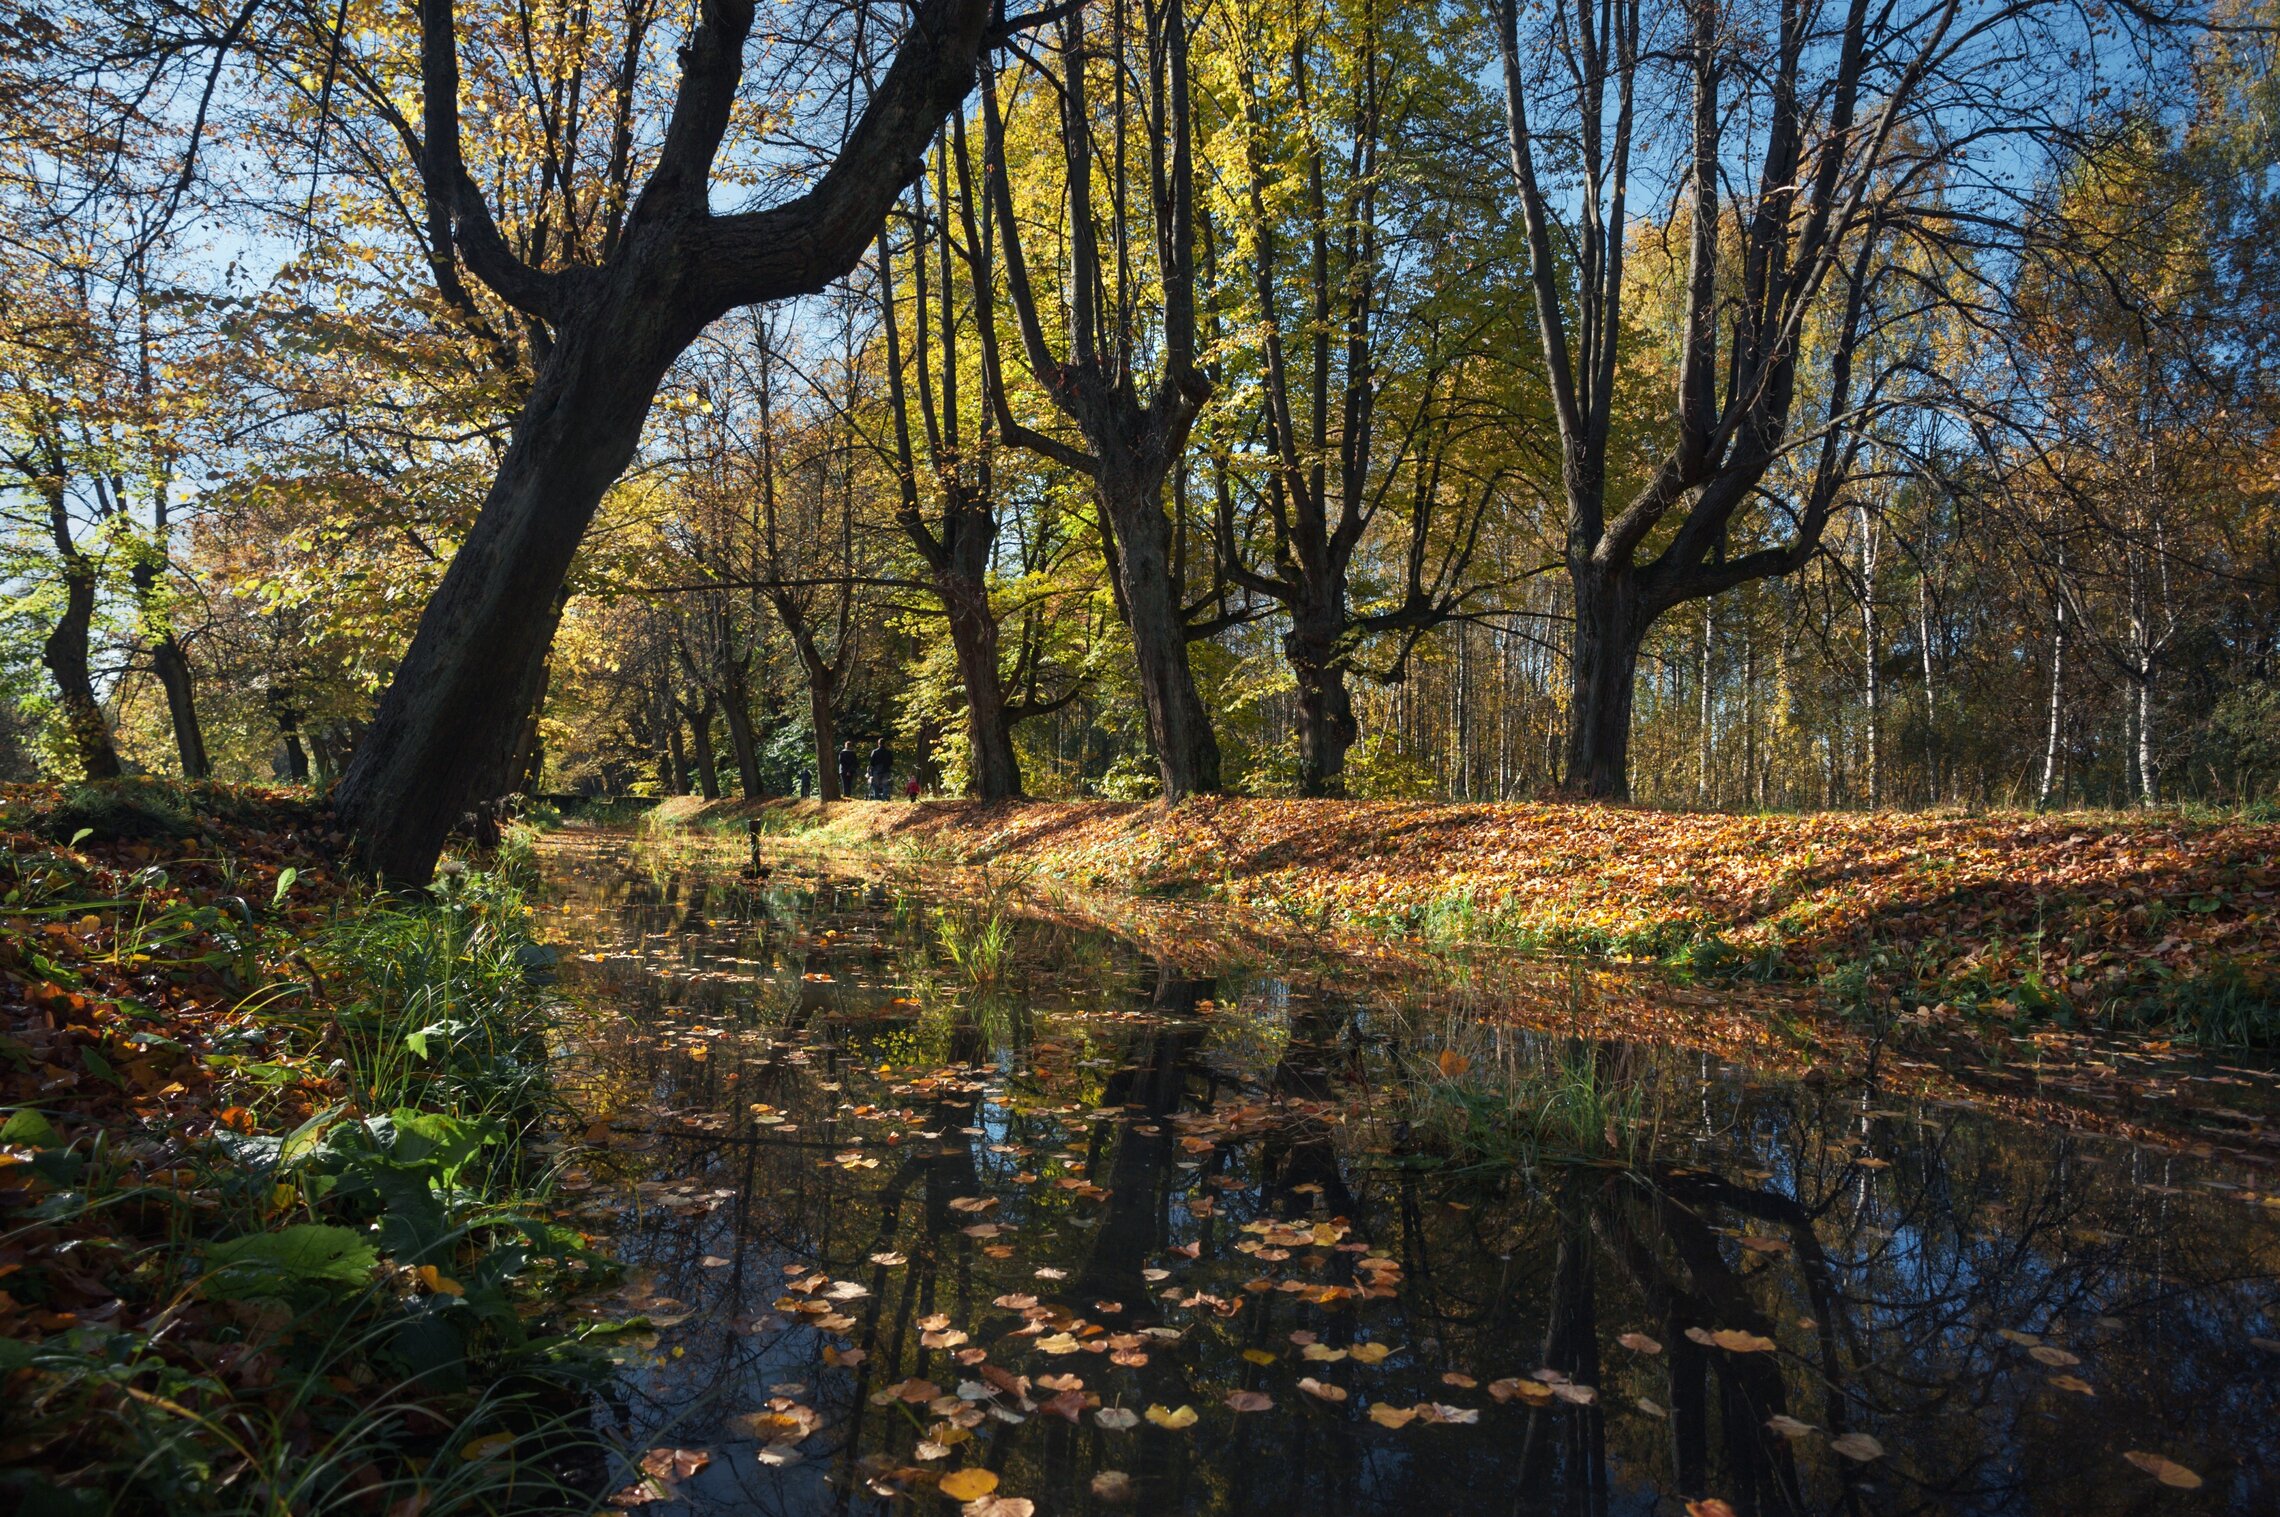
1112 1485
2167 1471
1857 1446
1322 1391
1639 1343
1250 1401
1166 1417
968 1484
1392 1416
1736 1341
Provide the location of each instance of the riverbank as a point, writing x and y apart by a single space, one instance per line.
2160 923
274 1220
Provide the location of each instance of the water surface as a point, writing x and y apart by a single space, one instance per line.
889 1225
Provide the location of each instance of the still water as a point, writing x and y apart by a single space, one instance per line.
925 1195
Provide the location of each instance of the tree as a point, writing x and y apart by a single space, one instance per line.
1120 318
1834 183
611 328
1392 366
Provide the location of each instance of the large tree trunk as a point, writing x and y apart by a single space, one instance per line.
993 773
173 670
744 744
701 735
172 667
1602 670
1187 754
824 721
65 654
458 700
1326 725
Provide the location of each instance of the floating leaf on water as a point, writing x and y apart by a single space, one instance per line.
1322 1353
1117 1419
1259 1355
1709 1507
1459 1379
1652 1409
889 1261
2074 1383
1392 1416
1369 1353
2013 1335
1858 1446
1167 1417
1059 1343
1639 1343
1112 1485
1734 1340
1000 1506
1789 1427
2167 1471
968 1484
1250 1401
2056 1358
1322 1391
777 1457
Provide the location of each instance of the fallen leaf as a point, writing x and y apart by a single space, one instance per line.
968 1484
2074 1383
2057 1358
1788 1427
1709 1507
1117 1419
1112 1485
1392 1416
1639 1343
1250 1401
1000 1506
1322 1391
2167 1471
1735 1341
1369 1353
1166 1417
1858 1446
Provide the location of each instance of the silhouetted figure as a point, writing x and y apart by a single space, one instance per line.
848 763
882 770
807 783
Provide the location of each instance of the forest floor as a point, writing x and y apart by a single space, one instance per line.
2153 922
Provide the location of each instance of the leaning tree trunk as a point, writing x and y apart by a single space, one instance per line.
1187 754
1326 725
172 666
458 700
173 670
1602 672
65 654
993 773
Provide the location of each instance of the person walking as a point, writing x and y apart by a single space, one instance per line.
848 763
807 782
882 769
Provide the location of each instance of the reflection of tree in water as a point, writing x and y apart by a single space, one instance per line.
1884 1286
